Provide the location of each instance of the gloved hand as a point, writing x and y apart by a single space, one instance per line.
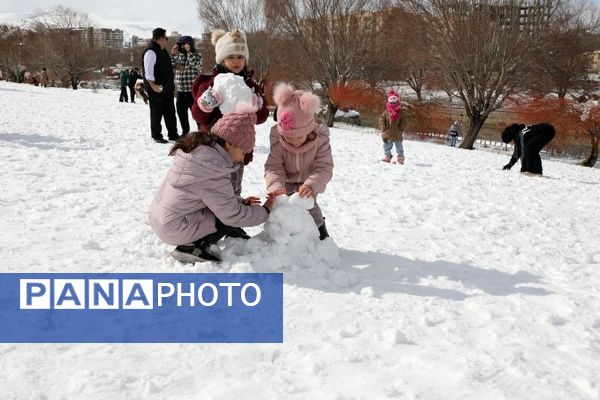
248 158
259 102
209 100
507 167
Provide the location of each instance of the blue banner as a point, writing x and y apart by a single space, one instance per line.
141 308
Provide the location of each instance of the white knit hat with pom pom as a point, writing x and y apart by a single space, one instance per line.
229 43
295 110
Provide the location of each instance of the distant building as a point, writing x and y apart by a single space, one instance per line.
102 37
594 61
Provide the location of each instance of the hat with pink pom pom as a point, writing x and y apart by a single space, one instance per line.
295 110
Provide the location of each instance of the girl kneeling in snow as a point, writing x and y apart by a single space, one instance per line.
300 157
196 206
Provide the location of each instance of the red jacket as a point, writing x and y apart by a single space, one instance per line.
207 120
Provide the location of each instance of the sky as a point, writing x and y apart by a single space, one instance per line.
139 16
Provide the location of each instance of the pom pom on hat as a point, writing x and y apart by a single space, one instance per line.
296 110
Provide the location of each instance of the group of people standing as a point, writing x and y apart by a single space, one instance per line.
199 201
128 79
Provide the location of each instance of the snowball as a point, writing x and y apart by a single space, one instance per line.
306 203
232 90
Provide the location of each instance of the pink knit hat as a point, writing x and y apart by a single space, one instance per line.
237 128
295 110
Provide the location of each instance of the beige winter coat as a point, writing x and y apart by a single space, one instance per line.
393 130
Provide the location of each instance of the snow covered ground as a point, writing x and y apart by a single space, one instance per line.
456 280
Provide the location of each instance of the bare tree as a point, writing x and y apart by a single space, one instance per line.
481 47
560 64
65 43
249 16
407 54
336 38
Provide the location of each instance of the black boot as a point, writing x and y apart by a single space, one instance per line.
192 254
323 231
238 233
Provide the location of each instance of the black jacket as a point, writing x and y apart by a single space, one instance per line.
524 136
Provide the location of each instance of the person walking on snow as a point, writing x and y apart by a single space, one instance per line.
528 142
195 206
188 65
391 124
300 157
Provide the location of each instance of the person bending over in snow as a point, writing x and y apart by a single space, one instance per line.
392 124
528 142
196 206
300 157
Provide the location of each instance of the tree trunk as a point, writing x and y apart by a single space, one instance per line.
74 83
593 157
469 138
419 94
330 114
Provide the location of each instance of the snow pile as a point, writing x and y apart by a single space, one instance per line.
290 242
347 114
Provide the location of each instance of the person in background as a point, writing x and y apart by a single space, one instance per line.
188 65
44 77
123 79
160 86
453 133
391 124
134 75
528 140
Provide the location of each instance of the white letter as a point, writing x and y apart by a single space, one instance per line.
162 295
256 288
229 294
189 294
215 294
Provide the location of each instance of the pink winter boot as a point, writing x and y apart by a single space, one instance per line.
401 160
387 158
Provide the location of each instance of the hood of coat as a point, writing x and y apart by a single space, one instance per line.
204 163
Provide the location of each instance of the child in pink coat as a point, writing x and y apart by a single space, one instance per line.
300 158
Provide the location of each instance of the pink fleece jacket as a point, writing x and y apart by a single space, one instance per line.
312 164
196 190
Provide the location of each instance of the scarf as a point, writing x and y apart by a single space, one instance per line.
394 110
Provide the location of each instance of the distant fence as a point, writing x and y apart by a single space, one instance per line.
574 151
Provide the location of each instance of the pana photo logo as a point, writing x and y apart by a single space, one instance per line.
141 308
132 294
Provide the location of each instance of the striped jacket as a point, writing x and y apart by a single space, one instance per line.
187 68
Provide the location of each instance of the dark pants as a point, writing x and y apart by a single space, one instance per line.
540 136
185 100
213 238
123 96
132 93
161 105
